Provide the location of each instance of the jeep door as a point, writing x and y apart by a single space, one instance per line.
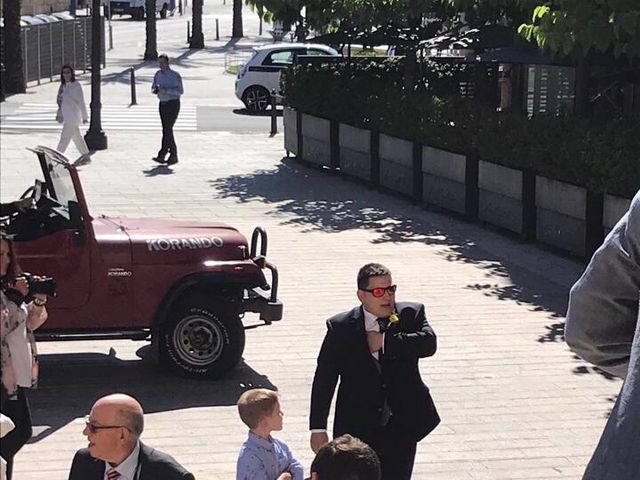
56 242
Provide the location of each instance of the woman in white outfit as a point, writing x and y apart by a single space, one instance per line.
74 111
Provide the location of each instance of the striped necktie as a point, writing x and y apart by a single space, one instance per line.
113 474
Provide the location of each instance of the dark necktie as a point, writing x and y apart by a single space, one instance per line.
386 411
384 324
113 474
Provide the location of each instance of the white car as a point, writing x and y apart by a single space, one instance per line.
261 74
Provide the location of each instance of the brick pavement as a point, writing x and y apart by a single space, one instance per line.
515 402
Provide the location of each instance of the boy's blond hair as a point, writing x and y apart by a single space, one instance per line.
255 404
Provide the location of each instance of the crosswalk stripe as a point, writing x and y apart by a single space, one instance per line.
39 116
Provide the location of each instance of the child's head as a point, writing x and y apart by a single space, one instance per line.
259 408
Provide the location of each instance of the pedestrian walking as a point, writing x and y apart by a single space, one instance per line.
72 111
167 85
374 351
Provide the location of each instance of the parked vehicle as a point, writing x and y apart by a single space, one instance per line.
47 18
261 74
185 285
136 8
32 20
63 15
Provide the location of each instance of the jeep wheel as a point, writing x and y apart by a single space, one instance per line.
202 340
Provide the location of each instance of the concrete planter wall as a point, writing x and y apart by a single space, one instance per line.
500 196
290 119
538 208
613 210
396 164
561 214
443 177
316 143
355 151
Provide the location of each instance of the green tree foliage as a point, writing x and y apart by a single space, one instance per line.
569 25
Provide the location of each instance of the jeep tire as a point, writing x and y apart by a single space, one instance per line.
202 339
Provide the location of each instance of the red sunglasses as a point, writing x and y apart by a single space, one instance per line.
380 291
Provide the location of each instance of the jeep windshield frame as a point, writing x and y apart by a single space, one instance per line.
60 185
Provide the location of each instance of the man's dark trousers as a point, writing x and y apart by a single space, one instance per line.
168 116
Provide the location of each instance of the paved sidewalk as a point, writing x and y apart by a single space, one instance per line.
515 402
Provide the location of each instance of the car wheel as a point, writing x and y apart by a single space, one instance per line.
256 98
202 339
163 12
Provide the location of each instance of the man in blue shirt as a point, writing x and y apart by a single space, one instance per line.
167 85
263 457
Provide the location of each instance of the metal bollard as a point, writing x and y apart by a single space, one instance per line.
188 31
274 113
133 86
217 29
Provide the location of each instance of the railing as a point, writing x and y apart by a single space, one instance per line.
47 47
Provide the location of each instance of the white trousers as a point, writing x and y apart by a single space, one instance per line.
71 131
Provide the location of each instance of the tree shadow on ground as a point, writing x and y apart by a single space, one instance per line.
318 200
72 382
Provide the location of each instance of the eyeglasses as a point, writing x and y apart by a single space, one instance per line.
93 428
380 291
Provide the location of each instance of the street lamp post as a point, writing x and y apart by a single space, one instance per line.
95 137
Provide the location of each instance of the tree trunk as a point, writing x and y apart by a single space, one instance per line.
410 71
581 102
12 59
237 19
151 49
197 37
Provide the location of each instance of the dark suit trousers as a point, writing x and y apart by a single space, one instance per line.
18 411
168 116
396 452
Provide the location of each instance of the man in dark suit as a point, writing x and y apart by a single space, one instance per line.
115 451
374 351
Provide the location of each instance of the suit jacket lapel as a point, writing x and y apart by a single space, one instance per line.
143 459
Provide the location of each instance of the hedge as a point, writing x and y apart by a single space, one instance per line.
602 156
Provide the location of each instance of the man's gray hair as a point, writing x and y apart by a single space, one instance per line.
133 420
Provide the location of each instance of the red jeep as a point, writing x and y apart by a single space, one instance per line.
186 285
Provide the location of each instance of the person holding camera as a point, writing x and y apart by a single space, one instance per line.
20 314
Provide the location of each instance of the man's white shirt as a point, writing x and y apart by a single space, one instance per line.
128 468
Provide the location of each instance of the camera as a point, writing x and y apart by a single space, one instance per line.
43 285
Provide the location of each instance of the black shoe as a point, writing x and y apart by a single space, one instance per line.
159 160
172 160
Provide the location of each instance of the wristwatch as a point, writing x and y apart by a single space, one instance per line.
39 302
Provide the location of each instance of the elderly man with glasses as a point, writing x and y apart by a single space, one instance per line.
374 351
115 451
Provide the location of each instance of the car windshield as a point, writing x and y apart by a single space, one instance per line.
61 183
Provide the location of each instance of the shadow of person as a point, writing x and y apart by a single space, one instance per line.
72 382
158 170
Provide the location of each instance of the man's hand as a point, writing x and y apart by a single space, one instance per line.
375 341
318 439
21 285
285 476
